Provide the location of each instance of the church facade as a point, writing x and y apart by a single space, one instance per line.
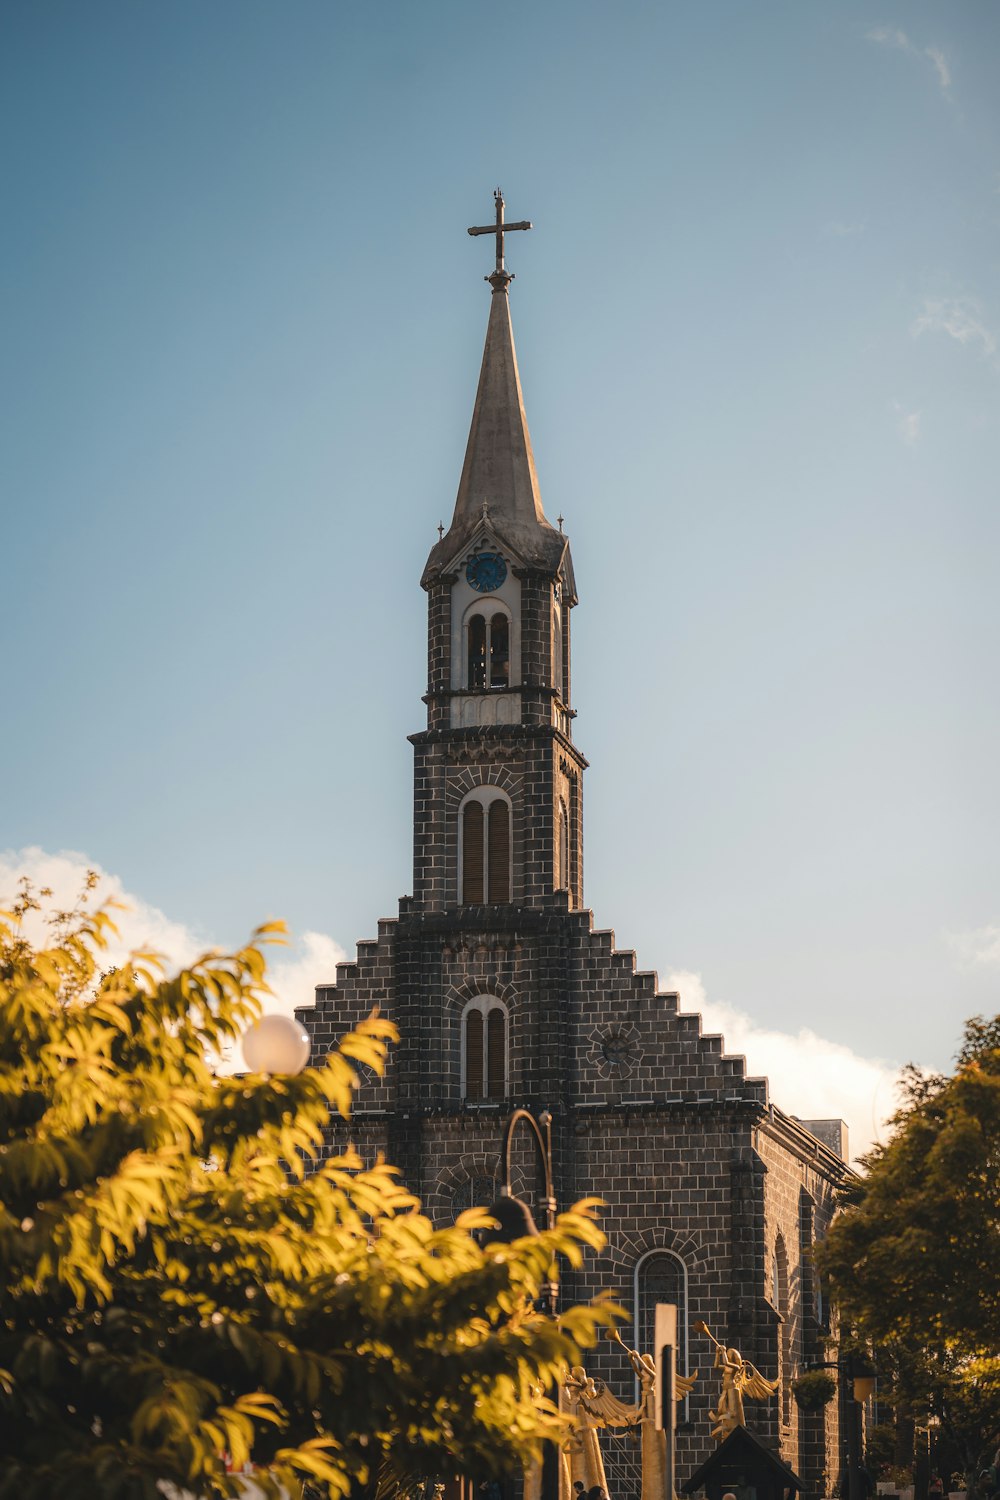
506 994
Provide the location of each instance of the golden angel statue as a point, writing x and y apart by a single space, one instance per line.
585 1398
598 1407
739 1379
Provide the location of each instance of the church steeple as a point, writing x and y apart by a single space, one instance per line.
499 482
497 777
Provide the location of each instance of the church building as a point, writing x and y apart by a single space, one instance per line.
506 994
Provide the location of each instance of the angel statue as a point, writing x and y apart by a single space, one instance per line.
739 1379
593 1398
584 1397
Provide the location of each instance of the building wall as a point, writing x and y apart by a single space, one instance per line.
650 1115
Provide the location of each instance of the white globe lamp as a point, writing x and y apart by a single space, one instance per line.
276 1044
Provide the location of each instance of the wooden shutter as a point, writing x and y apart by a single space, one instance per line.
496 1054
472 854
499 846
474 1054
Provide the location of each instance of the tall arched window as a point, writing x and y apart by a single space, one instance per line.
562 836
485 849
661 1276
780 1277
557 648
488 650
484 1049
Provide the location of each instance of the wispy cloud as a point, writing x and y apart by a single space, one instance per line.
960 318
891 36
809 1076
838 230
978 947
940 62
907 423
292 972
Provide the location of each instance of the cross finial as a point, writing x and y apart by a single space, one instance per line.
440 530
560 519
501 276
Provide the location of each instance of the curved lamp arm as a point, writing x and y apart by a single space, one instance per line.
544 1144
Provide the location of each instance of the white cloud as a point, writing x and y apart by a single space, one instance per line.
891 36
979 947
907 423
958 317
940 62
809 1076
293 972
838 230
140 926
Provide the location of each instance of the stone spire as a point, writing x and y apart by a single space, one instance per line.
499 483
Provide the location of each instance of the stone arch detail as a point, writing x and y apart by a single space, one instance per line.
625 1250
438 1201
471 778
457 996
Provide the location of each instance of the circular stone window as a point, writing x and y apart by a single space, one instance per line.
617 1049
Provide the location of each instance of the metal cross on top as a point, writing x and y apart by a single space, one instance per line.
499 229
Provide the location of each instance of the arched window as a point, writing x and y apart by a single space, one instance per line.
485 849
779 1273
661 1276
484 1049
557 648
475 1192
488 651
562 835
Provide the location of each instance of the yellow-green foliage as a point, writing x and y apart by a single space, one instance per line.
180 1282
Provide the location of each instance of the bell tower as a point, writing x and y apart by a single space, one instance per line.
497 778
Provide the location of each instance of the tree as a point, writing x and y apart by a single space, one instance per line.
184 1278
914 1260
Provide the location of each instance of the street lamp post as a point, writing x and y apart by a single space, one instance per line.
514 1220
857 1382
547 1200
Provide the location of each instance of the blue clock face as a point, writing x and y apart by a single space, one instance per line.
486 571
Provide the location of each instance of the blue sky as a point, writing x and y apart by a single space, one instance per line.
757 322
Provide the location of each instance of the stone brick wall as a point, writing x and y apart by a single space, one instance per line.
650 1115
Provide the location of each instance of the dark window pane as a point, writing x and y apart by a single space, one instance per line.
474 1055
472 853
477 651
499 869
661 1279
499 651
496 1050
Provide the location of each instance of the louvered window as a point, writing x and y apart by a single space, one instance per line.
485 1050
499 847
485 854
474 1039
496 1031
472 854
